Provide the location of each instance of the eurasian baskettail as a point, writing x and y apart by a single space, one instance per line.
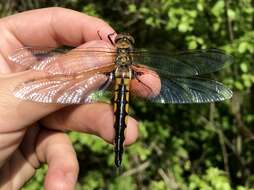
72 78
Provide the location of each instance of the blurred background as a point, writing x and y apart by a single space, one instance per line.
181 147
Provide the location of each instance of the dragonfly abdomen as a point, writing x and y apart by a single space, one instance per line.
121 109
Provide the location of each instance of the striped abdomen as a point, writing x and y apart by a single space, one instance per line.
121 108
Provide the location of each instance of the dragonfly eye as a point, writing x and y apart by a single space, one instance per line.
124 37
130 39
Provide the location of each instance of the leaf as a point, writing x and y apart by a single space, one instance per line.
243 46
244 67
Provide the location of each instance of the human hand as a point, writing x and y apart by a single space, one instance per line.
24 144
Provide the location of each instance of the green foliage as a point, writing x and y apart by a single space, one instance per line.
187 147
213 179
37 182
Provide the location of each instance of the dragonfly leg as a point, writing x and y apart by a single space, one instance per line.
110 37
108 82
98 32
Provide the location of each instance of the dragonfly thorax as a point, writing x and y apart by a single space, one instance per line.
124 45
123 59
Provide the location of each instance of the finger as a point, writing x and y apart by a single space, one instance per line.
97 118
54 26
147 85
84 57
16 172
56 150
49 27
20 167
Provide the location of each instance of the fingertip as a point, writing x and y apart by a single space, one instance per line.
57 179
147 85
131 134
89 26
104 30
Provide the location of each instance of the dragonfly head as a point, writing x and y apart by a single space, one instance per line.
124 41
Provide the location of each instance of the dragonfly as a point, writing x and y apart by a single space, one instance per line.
72 79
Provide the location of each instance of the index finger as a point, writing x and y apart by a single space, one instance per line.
50 27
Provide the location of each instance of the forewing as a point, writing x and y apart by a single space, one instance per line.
64 89
61 61
184 64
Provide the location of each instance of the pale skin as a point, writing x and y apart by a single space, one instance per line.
23 144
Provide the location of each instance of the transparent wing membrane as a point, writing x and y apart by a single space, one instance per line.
60 61
183 64
188 90
63 90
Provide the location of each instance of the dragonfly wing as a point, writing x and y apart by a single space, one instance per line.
181 89
30 56
183 64
60 61
64 89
